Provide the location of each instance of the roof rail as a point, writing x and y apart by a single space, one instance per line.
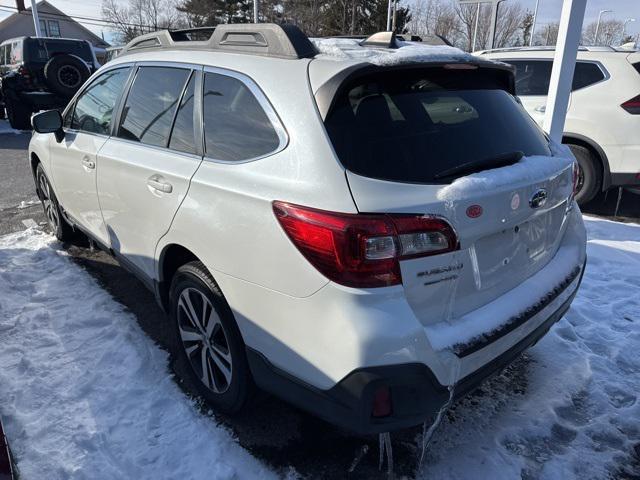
265 39
551 48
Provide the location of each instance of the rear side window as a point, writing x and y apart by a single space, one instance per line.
236 127
586 74
533 76
151 105
410 127
41 50
94 107
183 136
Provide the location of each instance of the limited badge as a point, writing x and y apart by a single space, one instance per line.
515 201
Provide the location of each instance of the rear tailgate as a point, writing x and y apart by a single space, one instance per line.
424 142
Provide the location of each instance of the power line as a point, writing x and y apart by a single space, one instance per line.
78 18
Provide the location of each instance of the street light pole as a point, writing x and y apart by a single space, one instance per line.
624 26
255 11
389 16
475 30
533 26
602 12
494 16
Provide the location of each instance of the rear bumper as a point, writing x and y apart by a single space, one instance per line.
416 394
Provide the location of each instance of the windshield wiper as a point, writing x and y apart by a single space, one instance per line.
501 160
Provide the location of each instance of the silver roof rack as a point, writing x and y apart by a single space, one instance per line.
265 39
582 48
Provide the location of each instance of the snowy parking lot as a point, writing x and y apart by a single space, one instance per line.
84 393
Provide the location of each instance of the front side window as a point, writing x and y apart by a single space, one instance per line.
236 127
94 107
151 105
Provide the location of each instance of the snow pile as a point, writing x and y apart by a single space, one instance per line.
84 393
570 408
527 170
346 48
6 128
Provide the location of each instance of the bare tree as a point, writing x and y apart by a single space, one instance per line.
547 34
609 33
140 16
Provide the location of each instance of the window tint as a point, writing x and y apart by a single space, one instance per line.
42 49
94 107
586 74
151 105
414 126
532 78
182 135
235 125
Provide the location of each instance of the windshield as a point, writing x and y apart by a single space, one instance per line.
41 50
410 127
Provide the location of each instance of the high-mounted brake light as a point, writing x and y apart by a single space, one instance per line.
632 106
363 250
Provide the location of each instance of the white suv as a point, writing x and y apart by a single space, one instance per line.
603 119
359 231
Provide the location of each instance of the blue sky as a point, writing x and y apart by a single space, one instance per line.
549 10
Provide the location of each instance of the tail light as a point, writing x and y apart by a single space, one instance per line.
359 250
632 106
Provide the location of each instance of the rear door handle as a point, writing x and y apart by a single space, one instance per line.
157 183
88 163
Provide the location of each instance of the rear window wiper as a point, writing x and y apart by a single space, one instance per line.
501 160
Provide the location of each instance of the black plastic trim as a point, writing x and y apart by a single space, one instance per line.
625 179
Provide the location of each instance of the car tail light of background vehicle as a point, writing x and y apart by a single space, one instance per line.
632 106
363 250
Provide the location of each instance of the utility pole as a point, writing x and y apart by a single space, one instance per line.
36 19
564 63
533 26
389 15
595 40
394 17
255 11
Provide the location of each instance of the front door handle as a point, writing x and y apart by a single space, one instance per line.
88 163
157 183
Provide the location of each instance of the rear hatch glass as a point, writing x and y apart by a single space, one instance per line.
415 125
41 50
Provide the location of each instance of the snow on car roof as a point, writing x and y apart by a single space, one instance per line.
409 52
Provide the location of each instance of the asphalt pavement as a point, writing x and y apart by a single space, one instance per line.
273 431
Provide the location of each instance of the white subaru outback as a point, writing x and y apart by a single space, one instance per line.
362 229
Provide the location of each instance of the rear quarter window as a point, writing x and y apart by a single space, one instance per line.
533 76
411 127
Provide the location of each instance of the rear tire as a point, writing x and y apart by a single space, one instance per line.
59 226
207 347
590 175
18 114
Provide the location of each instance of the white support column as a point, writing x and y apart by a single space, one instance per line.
36 19
564 63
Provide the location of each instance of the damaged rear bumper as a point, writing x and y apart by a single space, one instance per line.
416 394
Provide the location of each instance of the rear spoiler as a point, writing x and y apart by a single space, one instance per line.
327 93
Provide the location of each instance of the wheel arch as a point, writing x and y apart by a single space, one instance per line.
34 160
172 257
596 150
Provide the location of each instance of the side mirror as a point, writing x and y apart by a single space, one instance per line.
48 122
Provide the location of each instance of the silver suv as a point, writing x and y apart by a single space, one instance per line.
361 228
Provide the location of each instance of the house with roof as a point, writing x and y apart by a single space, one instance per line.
53 23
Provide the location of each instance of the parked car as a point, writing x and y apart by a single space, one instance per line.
40 74
603 118
310 222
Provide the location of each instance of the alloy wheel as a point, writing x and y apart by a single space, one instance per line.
69 76
50 207
204 340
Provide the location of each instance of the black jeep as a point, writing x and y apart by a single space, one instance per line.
41 74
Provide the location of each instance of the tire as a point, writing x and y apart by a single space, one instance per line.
18 114
65 74
59 226
227 384
590 176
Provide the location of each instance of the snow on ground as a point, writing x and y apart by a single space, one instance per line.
85 394
6 128
577 415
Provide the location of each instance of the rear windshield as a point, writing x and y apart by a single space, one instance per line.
410 127
41 50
